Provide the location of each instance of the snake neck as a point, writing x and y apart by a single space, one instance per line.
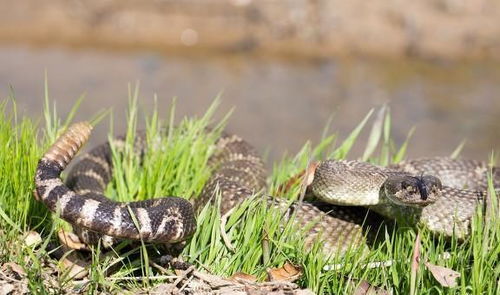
404 215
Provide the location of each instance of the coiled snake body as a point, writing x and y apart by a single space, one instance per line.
458 187
238 173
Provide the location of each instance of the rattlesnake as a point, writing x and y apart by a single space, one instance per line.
454 189
238 173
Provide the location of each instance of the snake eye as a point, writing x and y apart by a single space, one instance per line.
409 186
433 185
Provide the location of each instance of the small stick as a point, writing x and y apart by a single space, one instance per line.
378 264
213 280
9 278
162 277
183 275
157 266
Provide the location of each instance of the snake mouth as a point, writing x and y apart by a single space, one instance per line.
412 191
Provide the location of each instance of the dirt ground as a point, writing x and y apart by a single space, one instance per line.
450 29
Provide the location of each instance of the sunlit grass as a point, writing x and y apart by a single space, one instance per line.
177 165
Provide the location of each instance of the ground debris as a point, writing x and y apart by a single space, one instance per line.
365 288
64 272
287 273
195 282
242 276
73 266
12 282
52 275
445 276
71 240
15 269
32 239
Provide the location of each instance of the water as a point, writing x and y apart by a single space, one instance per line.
278 104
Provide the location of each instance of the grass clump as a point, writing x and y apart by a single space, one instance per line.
177 165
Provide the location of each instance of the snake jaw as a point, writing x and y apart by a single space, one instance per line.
412 191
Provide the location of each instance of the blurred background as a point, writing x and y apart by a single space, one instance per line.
285 66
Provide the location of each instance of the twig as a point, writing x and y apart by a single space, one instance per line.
183 275
162 277
158 267
9 278
186 284
212 280
377 264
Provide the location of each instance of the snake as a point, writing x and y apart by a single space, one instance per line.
238 173
454 190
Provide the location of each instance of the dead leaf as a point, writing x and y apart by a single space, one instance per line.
445 276
242 276
32 239
311 169
74 267
6 288
15 268
71 240
306 176
415 261
287 273
365 288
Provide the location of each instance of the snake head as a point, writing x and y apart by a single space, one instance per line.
412 191
431 190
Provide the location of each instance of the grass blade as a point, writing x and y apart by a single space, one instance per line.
402 150
375 133
342 151
458 150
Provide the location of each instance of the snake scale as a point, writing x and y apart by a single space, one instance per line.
238 173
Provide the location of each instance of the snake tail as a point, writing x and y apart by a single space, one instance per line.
163 220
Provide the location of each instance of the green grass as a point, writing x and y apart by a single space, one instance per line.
178 166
